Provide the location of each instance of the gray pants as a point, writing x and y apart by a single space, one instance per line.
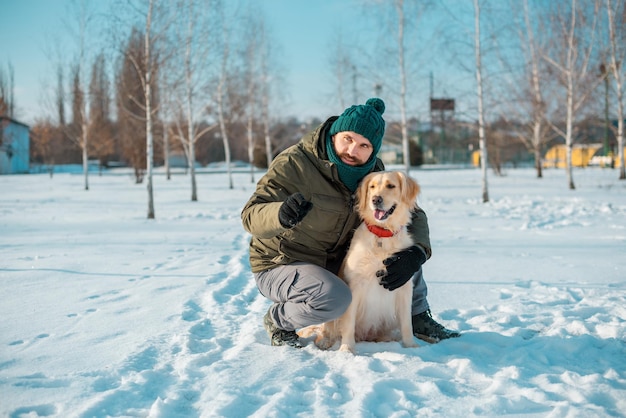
305 294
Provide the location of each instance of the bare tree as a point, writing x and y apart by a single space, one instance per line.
403 13
402 52
49 137
78 129
343 69
79 30
100 125
262 76
477 47
7 92
574 31
166 149
155 18
479 97
253 35
192 98
526 114
265 93
616 17
60 96
253 38
45 138
399 5
147 78
131 111
222 97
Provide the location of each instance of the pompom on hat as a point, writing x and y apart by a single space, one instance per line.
365 120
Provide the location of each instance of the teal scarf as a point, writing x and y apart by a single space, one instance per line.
348 174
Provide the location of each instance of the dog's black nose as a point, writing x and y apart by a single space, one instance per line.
377 200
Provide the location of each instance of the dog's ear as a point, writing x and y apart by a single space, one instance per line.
410 188
361 193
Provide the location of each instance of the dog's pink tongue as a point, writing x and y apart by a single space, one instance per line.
379 214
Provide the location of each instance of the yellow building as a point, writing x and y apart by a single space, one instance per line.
476 158
581 155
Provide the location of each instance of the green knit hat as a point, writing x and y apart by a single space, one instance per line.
365 120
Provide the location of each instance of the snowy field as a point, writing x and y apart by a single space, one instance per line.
107 314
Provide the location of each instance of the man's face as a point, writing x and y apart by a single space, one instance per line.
352 148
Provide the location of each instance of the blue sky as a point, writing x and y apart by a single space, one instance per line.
23 26
302 29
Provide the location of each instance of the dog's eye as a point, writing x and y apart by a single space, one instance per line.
391 186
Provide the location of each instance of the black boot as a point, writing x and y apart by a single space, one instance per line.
280 336
427 329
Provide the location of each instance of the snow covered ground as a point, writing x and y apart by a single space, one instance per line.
105 313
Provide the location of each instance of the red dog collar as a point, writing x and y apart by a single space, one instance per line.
380 232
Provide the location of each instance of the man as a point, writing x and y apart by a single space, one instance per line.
301 219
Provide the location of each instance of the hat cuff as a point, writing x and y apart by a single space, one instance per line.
361 127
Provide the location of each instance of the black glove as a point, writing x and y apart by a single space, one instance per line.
400 267
293 209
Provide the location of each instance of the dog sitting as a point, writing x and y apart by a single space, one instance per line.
384 202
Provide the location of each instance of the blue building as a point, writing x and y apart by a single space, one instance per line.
14 146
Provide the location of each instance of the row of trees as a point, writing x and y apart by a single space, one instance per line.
537 68
567 49
179 76
201 75
551 86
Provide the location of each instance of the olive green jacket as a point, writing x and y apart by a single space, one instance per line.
323 235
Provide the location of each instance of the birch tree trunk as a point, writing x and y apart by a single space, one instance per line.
220 104
402 70
251 60
251 111
570 99
571 62
84 16
266 124
479 93
166 150
537 101
223 131
84 142
148 104
189 108
568 129
265 96
250 135
617 56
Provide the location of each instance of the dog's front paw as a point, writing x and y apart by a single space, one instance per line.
347 348
410 344
324 343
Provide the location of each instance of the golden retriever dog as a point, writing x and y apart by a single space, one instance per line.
384 202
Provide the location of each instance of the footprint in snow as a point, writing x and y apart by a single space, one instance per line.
45 410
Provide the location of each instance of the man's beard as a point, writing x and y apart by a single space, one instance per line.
345 157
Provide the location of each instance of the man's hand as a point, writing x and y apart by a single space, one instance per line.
293 209
401 266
